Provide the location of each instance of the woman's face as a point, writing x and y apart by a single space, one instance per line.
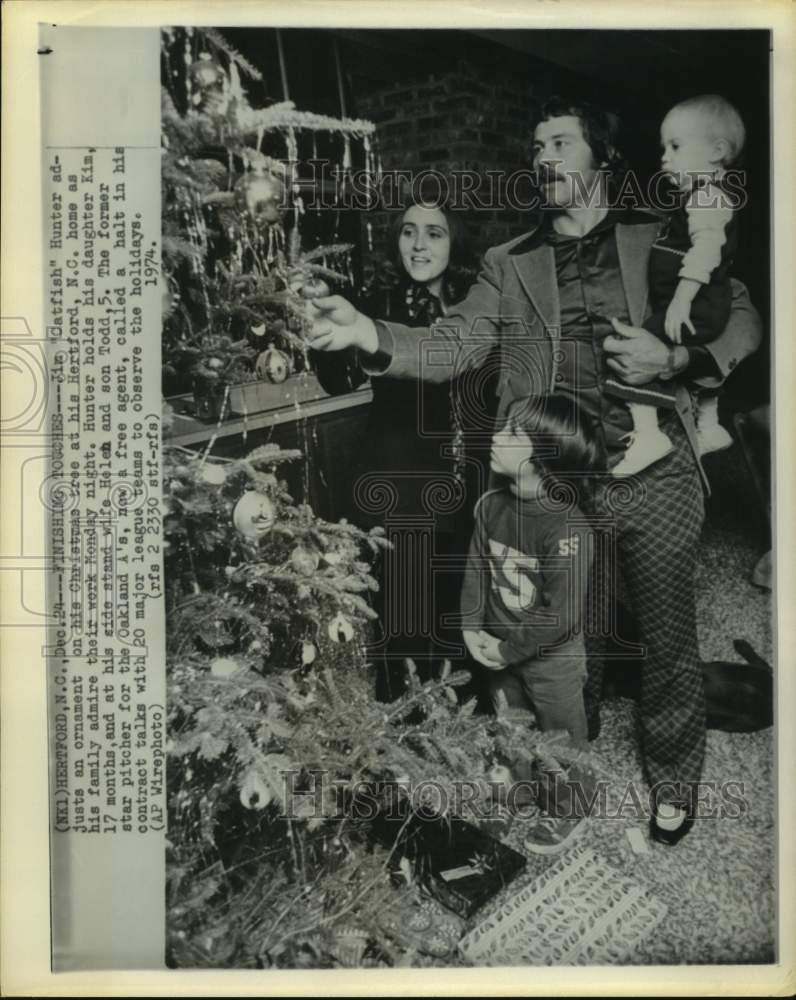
425 244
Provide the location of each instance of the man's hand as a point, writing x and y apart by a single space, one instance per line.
638 356
484 649
337 325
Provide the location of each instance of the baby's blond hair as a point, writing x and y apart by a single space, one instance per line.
722 119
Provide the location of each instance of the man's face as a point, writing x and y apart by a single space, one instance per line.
567 171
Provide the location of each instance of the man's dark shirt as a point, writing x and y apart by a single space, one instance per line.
590 292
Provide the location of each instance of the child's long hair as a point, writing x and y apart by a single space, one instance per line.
566 448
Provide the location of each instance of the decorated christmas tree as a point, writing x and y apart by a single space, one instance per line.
274 730
240 260
279 756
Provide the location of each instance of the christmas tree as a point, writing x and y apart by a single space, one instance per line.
275 739
238 267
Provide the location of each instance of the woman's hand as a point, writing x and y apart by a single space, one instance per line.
638 356
337 325
484 649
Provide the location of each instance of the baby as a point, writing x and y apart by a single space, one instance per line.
689 285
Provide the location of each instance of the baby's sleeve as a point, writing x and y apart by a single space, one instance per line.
708 217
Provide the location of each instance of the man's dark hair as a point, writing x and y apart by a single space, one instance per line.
601 130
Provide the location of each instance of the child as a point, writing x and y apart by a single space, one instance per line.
525 582
688 269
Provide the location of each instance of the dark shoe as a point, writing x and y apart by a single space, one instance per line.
670 837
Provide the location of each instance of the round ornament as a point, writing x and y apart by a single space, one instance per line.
253 515
254 793
340 551
225 666
206 408
205 72
273 365
500 780
213 474
259 330
216 634
262 194
314 288
208 85
340 629
304 560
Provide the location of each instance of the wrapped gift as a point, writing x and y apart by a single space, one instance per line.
460 865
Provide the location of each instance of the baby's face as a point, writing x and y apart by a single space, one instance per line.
688 149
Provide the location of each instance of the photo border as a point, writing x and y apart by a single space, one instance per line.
24 861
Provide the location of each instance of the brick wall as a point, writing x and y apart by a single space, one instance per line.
462 120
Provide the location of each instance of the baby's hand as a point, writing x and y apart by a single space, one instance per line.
678 315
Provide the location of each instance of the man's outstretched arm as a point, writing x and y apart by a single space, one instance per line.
460 340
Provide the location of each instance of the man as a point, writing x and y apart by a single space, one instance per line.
562 303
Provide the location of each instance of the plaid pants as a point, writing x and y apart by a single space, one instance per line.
652 524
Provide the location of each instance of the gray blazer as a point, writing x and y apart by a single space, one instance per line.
514 306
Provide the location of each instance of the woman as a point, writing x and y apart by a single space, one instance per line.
411 476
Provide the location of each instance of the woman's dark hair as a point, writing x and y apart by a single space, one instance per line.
601 130
565 445
462 266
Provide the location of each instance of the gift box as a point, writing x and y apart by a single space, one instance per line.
460 865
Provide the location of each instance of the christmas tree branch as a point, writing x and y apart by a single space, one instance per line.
285 115
218 41
358 897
